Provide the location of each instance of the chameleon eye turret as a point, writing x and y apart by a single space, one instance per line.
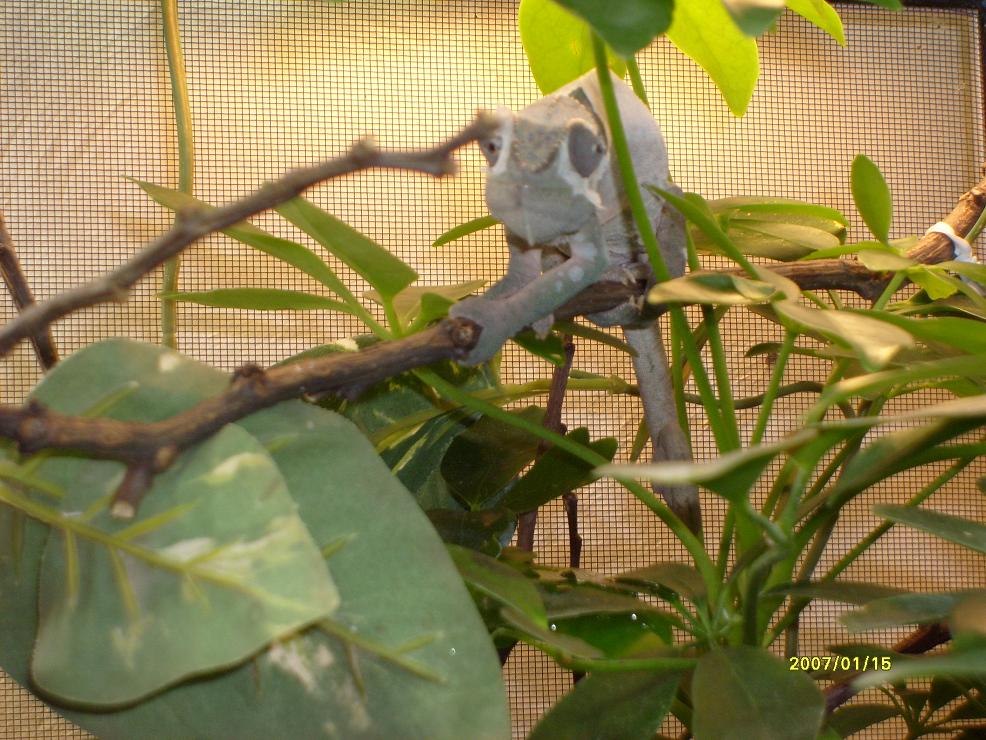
585 148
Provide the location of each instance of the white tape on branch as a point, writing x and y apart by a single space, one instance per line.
960 248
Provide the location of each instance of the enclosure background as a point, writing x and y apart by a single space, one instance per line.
85 104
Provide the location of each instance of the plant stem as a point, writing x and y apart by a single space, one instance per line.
636 81
186 157
776 375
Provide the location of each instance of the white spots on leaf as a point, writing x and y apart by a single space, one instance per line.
576 273
225 471
168 363
185 550
289 659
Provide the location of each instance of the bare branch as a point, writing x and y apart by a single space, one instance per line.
190 226
20 291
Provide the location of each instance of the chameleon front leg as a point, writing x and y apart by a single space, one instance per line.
502 316
667 437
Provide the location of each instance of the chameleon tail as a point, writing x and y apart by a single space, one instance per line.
667 437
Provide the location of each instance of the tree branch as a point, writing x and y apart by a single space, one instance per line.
190 226
20 291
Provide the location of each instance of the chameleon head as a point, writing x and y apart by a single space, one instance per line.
545 164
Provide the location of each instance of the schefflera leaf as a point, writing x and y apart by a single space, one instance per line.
418 662
216 565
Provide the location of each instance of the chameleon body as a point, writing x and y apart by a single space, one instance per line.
555 186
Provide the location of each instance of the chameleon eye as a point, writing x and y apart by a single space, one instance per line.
585 148
490 149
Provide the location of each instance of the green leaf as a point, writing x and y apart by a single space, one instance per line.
935 283
964 532
746 692
716 288
703 30
260 299
627 706
486 457
883 260
376 265
893 611
486 531
968 335
469 227
857 717
731 476
226 578
550 348
500 582
958 664
845 592
872 196
754 17
558 44
409 302
889 4
679 577
619 635
627 26
875 342
377 682
821 14
285 250
556 473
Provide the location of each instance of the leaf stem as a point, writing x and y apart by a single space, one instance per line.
186 157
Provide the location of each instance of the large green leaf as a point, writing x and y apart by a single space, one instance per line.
376 265
704 31
625 706
747 693
197 562
558 45
872 196
754 17
417 662
952 528
678 577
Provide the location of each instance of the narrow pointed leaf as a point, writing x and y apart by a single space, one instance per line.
260 299
500 582
964 532
958 664
376 265
893 611
845 592
407 303
715 288
465 229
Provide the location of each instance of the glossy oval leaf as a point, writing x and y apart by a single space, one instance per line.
260 299
872 196
373 263
627 26
558 44
704 31
624 706
746 693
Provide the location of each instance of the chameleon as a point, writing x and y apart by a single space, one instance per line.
553 183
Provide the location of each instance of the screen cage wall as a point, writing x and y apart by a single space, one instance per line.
85 104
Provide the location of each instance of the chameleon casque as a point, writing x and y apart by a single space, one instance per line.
554 185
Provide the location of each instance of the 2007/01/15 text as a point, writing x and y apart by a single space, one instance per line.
840 663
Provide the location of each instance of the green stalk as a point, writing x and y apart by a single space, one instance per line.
186 157
776 375
691 543
892 287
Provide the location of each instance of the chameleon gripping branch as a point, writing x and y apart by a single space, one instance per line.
149 448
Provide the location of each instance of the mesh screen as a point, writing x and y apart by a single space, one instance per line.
84 105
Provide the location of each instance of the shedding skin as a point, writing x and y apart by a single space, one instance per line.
554 185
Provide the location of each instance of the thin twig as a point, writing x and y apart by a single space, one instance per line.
20 291
190 226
